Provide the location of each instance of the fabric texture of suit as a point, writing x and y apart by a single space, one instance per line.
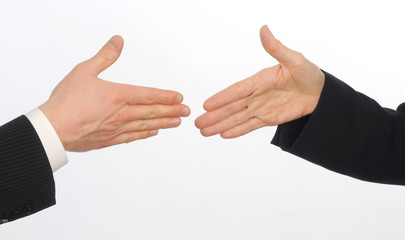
26 179
349 133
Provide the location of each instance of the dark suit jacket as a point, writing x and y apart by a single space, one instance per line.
348 133
351 134
26 178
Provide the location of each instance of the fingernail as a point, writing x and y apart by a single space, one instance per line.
175 122
185 112
113 42
154 132
179 99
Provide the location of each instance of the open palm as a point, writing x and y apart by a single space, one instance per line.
273 96
90 113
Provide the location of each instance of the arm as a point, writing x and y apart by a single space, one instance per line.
26 180
84 113
342 130
349 133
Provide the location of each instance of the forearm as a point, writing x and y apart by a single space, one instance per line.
349 133
26 179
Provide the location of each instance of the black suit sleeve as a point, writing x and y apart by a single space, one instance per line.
349 133
26 178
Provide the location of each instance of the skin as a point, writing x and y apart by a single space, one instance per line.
90 113
273 96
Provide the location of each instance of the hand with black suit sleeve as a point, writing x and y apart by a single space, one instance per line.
320 118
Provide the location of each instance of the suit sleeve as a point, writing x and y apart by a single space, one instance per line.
349 133
26 179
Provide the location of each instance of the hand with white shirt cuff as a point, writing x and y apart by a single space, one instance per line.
90 113
83 113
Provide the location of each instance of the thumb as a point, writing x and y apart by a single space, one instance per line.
107 55
275 48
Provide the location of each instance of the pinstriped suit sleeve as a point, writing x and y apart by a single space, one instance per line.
26 179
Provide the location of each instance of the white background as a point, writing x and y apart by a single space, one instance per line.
180 185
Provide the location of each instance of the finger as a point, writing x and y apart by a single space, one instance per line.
142 125
107 55
147 95
228 123
212 117
128 137
275 48
250 125
232 93
142 112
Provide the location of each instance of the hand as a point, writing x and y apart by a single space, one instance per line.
273 96
90 113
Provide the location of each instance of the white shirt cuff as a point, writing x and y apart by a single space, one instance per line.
53 146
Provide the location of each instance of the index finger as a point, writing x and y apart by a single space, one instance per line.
236 91
148 95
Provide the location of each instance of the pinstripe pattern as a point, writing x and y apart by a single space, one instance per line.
26 179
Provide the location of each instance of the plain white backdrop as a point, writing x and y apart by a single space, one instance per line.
180 185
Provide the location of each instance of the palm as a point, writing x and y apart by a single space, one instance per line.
90 113
271 97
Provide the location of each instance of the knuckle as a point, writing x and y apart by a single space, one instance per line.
115 122
205 132
300 59
300 55
121 117
128 137
278 45
117 98
103 145
276 48
209 119
250 123
145 134
151 113
169 99
265 72
239 89
143 126
106 55
151 96
240 131
166 124
83 66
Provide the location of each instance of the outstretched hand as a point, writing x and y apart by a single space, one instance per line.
90 113
273 96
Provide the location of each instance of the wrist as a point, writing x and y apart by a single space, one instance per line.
315 93
52 117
